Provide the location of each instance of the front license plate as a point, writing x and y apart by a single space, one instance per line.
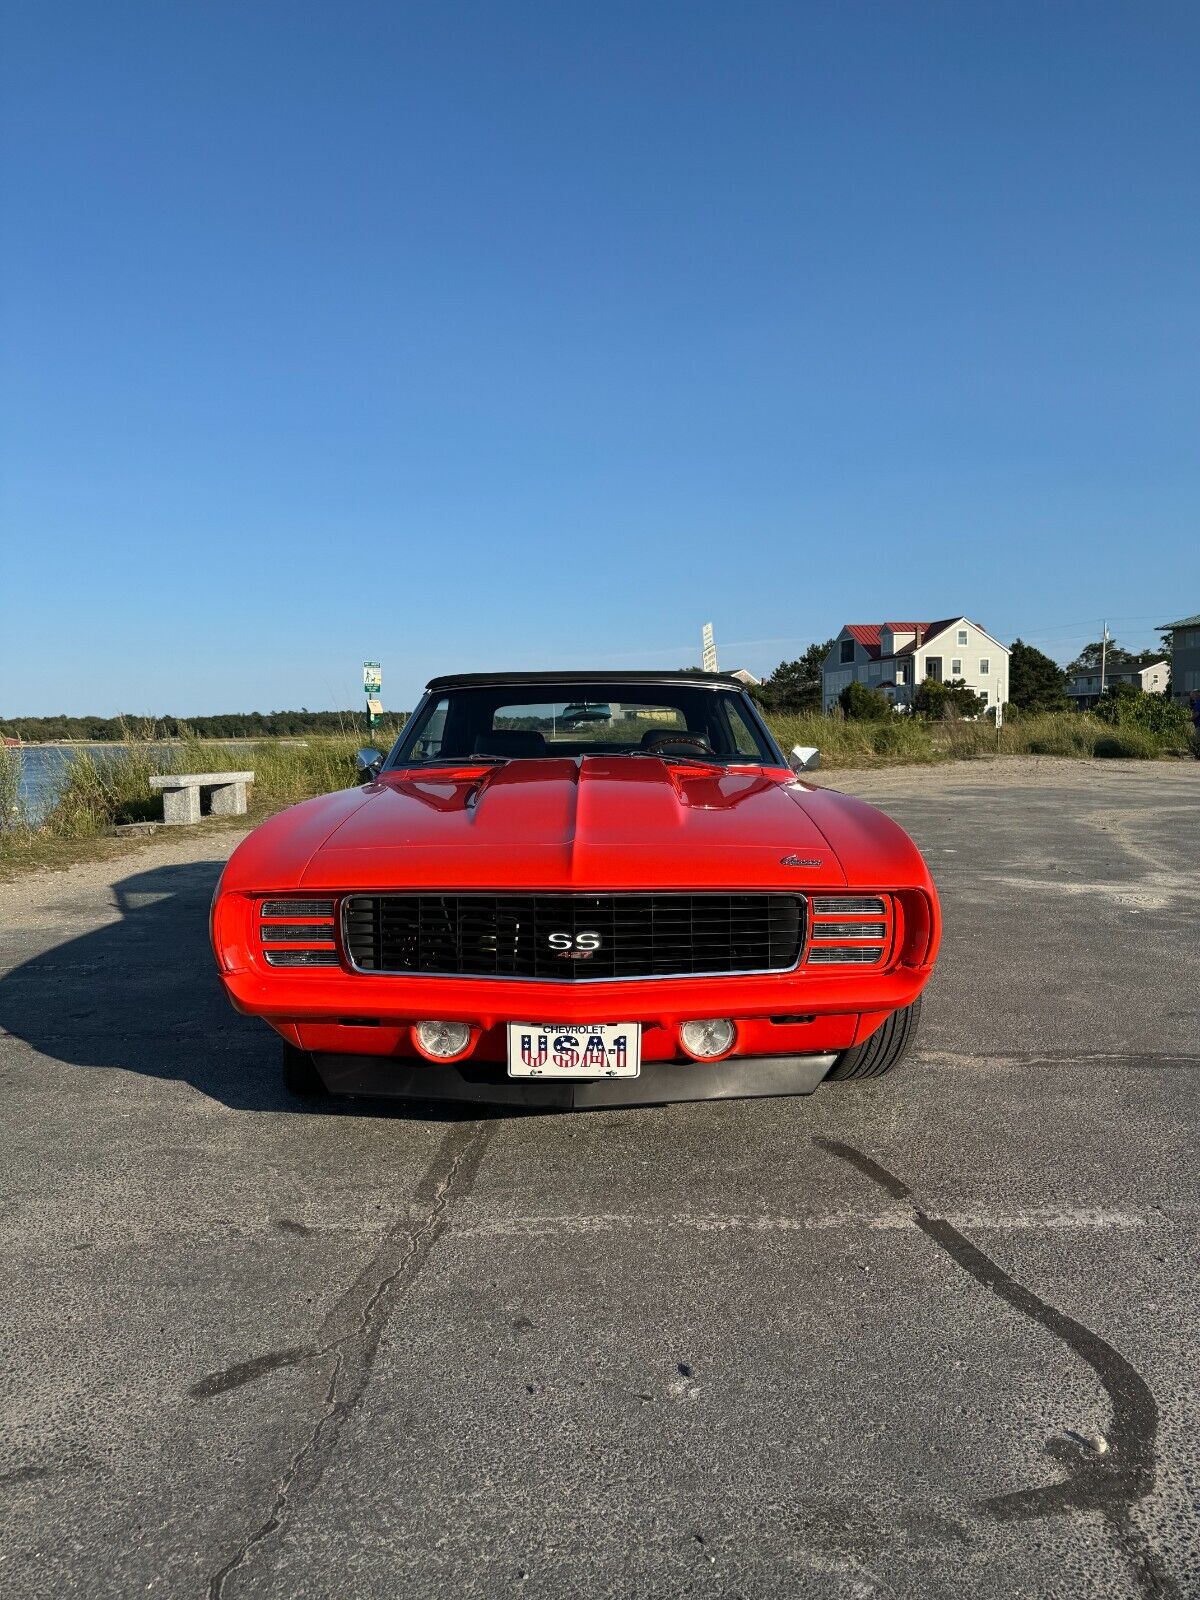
570 1050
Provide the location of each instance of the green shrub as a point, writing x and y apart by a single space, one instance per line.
862 704
1127 706
937 701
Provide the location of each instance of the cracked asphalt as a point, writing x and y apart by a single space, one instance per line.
931 1336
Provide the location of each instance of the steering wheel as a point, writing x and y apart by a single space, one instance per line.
697 741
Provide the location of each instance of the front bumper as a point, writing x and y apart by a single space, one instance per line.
809 1011
660 1083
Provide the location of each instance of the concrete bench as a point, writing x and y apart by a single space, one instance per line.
188 796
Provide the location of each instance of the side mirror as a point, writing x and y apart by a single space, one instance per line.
367 764
804 758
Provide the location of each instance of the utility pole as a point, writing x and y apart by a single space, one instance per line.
1103 656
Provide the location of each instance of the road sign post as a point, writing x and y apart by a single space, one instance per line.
708 648
372 688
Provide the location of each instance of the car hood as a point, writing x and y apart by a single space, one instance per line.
600 822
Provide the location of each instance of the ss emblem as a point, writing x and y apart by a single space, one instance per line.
582 944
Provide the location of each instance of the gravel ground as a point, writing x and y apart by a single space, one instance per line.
927 1337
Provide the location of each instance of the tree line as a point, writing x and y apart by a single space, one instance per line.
1036 683
227 725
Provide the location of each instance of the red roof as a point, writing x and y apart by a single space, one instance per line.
868 634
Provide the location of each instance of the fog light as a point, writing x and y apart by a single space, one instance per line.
442 1041
708 1040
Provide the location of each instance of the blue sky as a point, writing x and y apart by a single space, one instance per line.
480 335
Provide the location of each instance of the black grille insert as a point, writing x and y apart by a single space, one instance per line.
639 935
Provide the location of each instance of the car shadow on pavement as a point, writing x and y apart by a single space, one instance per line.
141 994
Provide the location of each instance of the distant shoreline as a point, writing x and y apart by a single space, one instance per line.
123 744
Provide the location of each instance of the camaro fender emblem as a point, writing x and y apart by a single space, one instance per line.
799 861
577 947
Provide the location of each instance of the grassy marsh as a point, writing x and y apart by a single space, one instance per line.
100 791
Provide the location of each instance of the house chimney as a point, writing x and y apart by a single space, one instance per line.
920 635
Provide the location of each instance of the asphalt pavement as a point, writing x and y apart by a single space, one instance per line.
931 1336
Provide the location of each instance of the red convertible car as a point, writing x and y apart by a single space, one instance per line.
579 889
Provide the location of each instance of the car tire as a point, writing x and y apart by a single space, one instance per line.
300 1075
880 1053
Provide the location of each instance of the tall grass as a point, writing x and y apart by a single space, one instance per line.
98 791
11 815
907 739
844 743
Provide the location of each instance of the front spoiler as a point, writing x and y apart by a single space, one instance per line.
750 1077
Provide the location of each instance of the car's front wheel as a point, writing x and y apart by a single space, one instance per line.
880 1053
300 1075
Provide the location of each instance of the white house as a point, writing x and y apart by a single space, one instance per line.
897 657
1084 687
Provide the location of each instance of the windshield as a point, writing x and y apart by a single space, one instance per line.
516 722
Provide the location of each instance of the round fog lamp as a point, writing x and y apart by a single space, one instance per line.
442 1041
708 1040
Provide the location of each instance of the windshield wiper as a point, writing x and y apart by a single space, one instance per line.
453 761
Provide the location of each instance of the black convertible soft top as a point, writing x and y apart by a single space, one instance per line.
483 680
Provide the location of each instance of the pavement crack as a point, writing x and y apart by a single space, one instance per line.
1059 1058
351 1333
246 1371
1112 1483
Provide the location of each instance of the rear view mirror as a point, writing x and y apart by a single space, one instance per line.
804 758
367 764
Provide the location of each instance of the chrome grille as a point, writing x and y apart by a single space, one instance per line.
856 955
848 905
509 936
300 958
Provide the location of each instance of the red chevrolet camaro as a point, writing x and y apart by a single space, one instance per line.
579 889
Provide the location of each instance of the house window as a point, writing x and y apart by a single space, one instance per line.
985 666
901 674
847 650
933 668
875 671
956 669
962 636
